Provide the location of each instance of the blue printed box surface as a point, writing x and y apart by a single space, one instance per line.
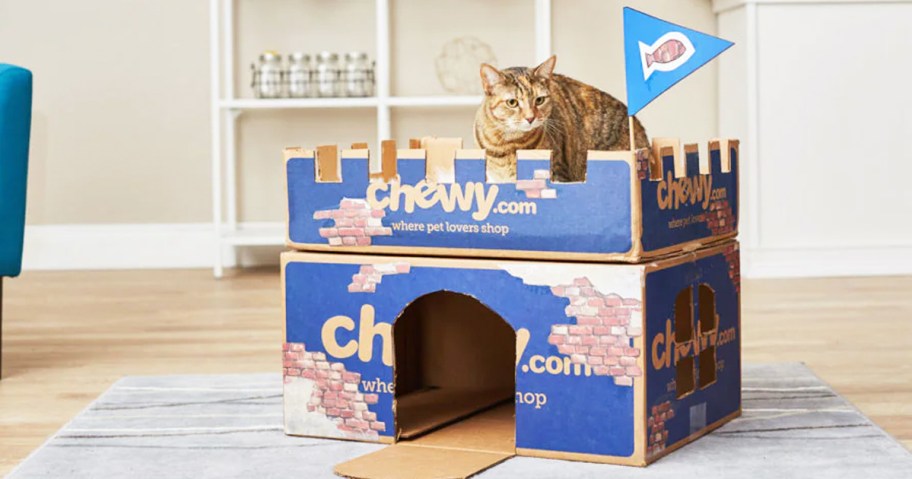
628 209
613 363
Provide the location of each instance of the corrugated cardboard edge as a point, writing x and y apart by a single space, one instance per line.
354 469
640 427
283 261
580 457
434 261
381 439
641 439
689 256
636 210
473 253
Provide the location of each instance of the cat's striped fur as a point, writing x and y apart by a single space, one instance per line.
529 108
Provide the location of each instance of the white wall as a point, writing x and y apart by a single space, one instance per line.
120 111
587 38
120 147
819 91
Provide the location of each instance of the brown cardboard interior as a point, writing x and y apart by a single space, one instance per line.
453 357
460 450
430 409
492 430
454 370
440 166
328 167
388 160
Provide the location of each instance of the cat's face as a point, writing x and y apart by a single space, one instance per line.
518 98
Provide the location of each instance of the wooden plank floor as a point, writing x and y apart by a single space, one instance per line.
69 335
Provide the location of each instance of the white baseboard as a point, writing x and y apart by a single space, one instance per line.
130 246
822 262
192 245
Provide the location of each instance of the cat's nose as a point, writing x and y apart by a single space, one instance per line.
530 120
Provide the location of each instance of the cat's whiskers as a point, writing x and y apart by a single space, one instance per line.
553 127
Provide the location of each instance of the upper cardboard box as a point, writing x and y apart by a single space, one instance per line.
633 205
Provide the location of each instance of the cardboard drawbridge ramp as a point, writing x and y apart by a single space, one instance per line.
455 388
457 451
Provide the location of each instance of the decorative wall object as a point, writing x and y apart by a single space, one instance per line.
457 64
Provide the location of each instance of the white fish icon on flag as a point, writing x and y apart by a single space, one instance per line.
666 54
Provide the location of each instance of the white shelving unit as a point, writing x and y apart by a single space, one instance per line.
227 108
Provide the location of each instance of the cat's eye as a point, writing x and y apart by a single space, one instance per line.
540 100
512 103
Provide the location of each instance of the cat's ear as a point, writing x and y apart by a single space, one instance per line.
490 77
546 69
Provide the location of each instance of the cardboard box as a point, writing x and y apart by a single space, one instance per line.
436 201
612 363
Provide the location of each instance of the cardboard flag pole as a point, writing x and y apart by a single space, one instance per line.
659 54
633 146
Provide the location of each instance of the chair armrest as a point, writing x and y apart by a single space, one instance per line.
15 126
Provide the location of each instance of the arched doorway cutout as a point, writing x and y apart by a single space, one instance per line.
453 358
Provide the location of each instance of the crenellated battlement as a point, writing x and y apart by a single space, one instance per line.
445 158
668 154
440 198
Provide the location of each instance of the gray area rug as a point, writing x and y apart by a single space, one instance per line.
793 425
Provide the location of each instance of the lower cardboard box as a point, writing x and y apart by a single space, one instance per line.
466 363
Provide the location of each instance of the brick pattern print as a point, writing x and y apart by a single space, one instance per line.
370 275
537 187
642 163
602 335
734 265
355 222
658 435
336 394
720 219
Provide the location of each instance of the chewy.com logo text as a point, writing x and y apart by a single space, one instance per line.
473 196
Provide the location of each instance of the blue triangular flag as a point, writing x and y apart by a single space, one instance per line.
659 54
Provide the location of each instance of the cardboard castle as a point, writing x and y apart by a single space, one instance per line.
465 322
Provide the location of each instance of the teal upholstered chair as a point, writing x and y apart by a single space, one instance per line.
15 122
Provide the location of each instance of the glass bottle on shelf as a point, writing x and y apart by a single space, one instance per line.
327 75
298 78
267 76
358 75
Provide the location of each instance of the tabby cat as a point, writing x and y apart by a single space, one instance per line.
529 108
